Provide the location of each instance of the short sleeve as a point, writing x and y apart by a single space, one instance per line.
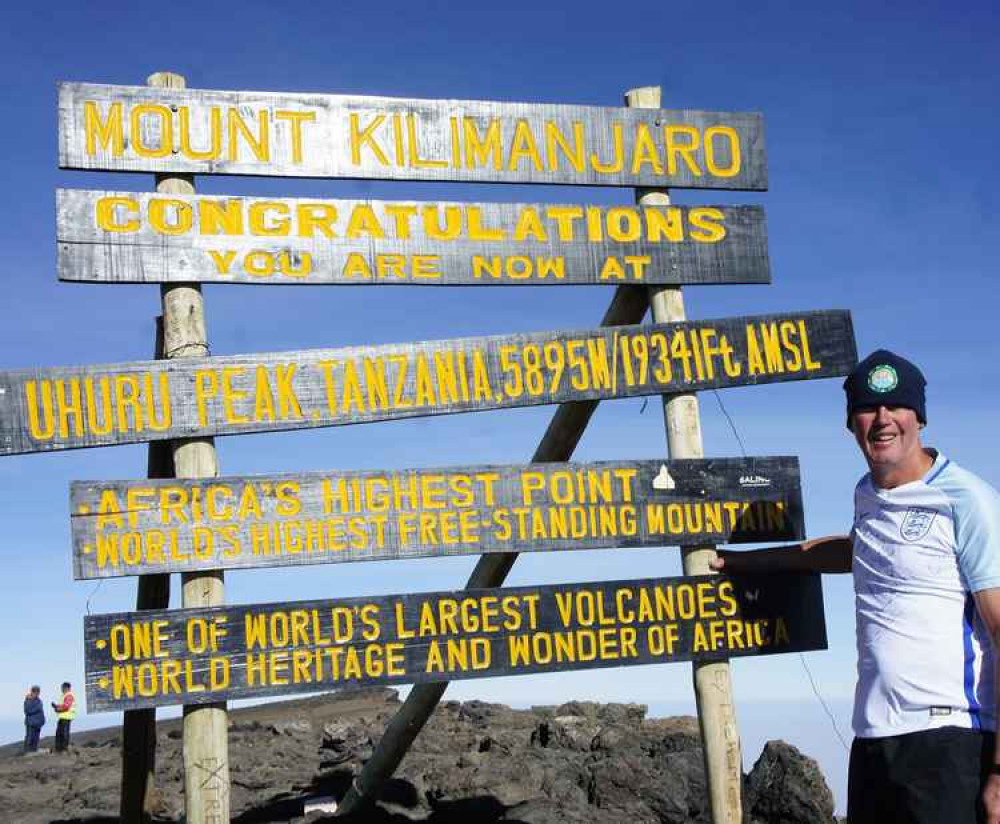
976 508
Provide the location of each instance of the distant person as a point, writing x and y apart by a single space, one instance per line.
34 718
65 712
925 554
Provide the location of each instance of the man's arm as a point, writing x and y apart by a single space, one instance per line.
988 606
833 553
976 510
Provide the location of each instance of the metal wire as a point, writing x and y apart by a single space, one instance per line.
93 592
802 658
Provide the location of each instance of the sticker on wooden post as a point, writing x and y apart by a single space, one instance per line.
192 656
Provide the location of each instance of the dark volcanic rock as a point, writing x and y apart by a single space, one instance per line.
474 763
786 787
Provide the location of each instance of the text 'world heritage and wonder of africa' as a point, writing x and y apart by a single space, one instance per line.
193 656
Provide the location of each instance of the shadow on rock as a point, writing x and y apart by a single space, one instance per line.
484 808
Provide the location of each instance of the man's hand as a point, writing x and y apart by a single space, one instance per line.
991 799
731 562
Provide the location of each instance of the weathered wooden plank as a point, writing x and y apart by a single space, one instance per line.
140 129
141 527
71 407
250 651
125 237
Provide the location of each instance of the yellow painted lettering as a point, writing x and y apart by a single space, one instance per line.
103 135
708 223
416 161
107 213
316 216
269 218
357 267
555 139
206 386
474 216
617 161
731 144
220 217
529 224
612 269
287 400
479 150
522 145
362 138
214 151
296 119
223 260
138 133
259 144
645 152
231 396
664 223
682 141
364 223
170 216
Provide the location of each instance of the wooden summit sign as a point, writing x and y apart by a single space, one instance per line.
71 407
143 527
122 237
194 656
142 129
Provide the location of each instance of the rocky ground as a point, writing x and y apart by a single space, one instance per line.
473 763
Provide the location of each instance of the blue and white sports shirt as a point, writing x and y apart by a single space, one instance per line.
920 550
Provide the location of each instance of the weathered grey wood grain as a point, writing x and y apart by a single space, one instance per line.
211 654
139 129
125 237
140 527
71 407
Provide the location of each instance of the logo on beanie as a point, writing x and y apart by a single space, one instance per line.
883 378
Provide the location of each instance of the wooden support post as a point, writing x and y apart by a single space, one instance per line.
712 682
139 726
206 755
557 444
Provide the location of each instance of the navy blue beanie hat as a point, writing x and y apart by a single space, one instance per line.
885 379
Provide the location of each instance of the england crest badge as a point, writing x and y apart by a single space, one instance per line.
916 523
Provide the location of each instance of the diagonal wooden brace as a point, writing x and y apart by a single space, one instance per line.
564 431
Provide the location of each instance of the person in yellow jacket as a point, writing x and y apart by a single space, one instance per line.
65 712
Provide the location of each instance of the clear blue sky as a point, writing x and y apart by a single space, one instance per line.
881 127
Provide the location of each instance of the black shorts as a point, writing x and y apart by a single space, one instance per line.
929 777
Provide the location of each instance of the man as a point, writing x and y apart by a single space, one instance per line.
34 719
65 712
925 554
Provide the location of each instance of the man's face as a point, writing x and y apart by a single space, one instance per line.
889 436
